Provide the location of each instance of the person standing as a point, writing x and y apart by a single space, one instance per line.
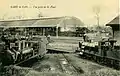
48 38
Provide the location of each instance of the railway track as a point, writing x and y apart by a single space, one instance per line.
27 62
76 69
67 66
59 63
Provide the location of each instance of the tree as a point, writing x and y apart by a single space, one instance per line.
96 10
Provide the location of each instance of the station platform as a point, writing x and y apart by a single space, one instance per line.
62 46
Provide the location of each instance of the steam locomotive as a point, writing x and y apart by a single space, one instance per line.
18 49
104 51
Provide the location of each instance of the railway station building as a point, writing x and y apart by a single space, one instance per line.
54 26
115 24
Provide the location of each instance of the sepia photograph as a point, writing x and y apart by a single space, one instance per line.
59 38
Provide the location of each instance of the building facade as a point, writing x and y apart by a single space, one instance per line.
115 24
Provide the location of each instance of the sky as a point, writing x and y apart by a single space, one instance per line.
82 9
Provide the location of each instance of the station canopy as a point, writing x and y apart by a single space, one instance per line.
68 21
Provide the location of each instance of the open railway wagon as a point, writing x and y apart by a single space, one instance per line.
105 52
14 50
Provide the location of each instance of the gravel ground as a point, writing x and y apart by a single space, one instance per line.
50 66
93 69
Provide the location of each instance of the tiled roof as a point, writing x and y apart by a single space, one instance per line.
115 20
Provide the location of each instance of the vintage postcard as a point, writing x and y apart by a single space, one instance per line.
59 38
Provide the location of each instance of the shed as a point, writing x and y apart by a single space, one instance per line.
55 24
115 24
